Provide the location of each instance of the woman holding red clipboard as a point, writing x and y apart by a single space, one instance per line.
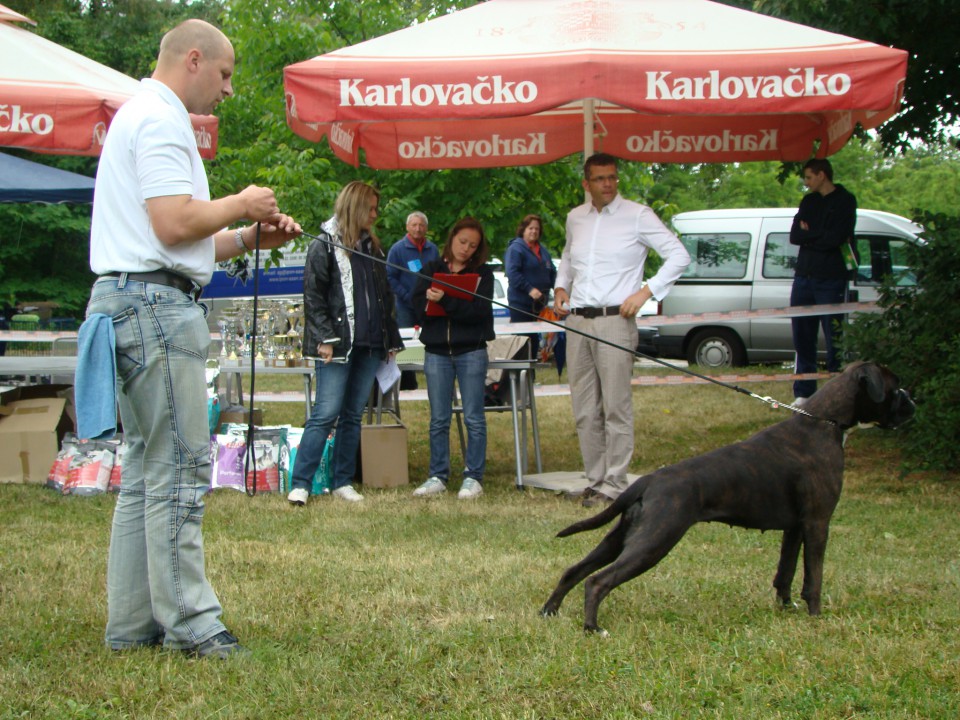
456 321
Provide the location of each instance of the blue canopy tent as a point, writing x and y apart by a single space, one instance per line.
25 181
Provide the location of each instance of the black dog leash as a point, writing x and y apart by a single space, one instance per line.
250 457
633 351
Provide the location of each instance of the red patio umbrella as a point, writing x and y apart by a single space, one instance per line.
522 82
8 15
54 100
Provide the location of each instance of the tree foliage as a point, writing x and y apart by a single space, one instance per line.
916 336
44 248
921 27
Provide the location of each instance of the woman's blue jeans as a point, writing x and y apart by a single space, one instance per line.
470 371
343 389
156 583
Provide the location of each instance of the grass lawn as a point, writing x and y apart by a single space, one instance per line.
407 608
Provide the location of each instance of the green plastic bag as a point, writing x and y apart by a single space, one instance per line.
324 474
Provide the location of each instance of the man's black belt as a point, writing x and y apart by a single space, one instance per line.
594 312
163 277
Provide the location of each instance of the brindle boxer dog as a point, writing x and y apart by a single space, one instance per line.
787 477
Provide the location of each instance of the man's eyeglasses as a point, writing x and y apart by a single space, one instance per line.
604 179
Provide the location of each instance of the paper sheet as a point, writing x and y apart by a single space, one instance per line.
388 374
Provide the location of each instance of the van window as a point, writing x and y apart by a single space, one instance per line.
779 256
717 255
879 256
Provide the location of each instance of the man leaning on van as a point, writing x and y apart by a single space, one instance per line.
824 223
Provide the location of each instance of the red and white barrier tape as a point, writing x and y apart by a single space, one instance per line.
708 317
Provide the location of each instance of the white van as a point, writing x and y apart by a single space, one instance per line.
743 260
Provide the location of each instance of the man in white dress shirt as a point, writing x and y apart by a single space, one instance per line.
600 286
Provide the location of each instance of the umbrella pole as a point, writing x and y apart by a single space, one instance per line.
587 134
587 128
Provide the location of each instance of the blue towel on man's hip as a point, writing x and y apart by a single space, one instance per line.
95 389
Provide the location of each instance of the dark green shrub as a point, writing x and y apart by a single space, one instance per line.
918 336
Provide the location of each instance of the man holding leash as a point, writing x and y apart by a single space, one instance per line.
600 286
154 240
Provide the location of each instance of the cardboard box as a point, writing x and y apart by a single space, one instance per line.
30 435
65 391
237 414
383 456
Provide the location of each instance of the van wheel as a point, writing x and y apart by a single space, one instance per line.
716 348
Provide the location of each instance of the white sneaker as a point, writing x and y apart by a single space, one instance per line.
298 496
348 493
433 486
800 402
470 489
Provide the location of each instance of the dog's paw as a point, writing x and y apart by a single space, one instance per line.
598 631
548 612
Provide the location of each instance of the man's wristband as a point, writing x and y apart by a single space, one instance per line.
238 239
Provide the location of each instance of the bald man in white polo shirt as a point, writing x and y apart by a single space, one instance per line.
154 241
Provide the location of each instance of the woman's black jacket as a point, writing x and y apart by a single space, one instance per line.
468 324
328 301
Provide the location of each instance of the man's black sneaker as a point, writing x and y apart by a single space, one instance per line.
592 498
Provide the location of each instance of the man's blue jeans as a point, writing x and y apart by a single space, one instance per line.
343 389
470 371
814 291
156 583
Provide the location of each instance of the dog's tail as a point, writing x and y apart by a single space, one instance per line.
627 498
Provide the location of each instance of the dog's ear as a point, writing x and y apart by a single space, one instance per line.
871 377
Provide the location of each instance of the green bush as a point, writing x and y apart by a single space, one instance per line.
916 336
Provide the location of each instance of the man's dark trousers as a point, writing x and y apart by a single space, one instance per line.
815 291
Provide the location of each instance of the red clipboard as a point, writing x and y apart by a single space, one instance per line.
463 287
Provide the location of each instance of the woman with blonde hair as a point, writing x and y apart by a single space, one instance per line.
349 329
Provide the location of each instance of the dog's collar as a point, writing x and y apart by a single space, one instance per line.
792 408
801 411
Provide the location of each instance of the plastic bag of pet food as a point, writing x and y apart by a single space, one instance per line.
324 475
115 474
58 471
213 399
292 440
228 456
294 435
90 467
227 453
321 478
263 471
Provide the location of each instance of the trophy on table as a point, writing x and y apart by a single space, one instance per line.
265 329
295 322
245 322
227 323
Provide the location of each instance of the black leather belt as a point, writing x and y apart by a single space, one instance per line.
594 312
163 277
